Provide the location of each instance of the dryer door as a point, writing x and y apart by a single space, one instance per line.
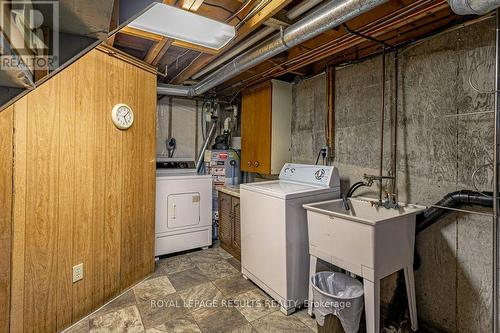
183 210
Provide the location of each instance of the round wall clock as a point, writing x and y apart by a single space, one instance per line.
123 116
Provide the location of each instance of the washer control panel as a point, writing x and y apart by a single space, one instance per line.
321 175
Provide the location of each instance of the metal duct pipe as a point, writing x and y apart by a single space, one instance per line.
473 7
173 90
326 17
201 155
257 37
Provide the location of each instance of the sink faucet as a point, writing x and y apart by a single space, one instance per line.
345 203
391 202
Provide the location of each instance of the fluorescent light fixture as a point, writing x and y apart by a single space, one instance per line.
186 26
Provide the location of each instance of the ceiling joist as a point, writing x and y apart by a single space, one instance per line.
248 27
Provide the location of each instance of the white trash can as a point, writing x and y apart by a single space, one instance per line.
338 294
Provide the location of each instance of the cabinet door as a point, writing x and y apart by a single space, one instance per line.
256 129
225 217
236 236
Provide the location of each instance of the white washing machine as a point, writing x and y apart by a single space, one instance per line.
183 207
274 239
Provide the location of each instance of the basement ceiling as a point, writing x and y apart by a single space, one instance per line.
395 23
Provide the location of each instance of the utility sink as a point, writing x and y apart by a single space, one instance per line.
368 241
362 210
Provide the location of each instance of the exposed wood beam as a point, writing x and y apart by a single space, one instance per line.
248 27
344 47
263 15
158 51
141 34
333 37
194 47
161 47
191 5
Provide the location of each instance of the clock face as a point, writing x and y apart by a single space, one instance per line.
123 116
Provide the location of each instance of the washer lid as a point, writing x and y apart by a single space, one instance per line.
285 189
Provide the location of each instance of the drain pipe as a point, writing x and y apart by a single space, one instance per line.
473 7
394 189
330 15
382 120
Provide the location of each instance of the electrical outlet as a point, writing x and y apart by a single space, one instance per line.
77 273
324 154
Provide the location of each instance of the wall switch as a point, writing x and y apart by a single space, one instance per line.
77 272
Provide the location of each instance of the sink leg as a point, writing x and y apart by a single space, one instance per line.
410 292
372 305
312 270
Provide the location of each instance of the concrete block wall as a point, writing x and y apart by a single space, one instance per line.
437 153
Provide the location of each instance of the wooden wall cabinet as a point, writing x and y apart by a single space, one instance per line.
266 112
229 224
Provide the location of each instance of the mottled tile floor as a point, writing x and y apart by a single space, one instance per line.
200 291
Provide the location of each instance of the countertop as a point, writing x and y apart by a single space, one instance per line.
230 190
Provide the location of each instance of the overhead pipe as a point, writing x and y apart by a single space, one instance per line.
396 19
174 90
473 7
326 17
257 37
496 183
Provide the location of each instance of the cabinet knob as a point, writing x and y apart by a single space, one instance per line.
249 163
256 164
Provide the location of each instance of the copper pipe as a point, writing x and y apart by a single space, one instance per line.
382 118
370 28
396 20
330 112
373 31
394 189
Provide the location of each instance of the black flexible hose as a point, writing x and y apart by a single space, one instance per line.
353 188
399 300
452 200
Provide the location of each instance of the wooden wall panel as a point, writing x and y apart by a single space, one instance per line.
19 220
133 254
113 183
85 145
84 192
42 208
6 161
98 182
66 217
148 102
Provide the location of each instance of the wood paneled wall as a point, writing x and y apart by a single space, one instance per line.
6 132
84 191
